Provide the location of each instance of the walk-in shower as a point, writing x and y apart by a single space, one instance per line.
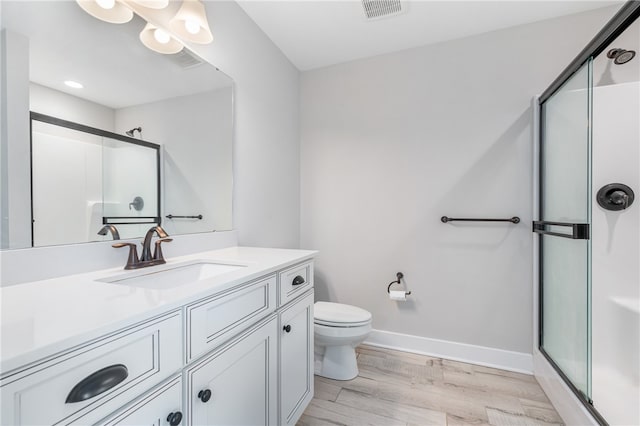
588 225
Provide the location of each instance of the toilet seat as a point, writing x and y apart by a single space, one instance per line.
340 315
341 324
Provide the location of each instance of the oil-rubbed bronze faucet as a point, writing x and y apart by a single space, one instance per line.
110 228
146 243
133 262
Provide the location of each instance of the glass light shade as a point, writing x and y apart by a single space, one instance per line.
192 27
118 14
161 36
152 4
106 4
190 23
148 38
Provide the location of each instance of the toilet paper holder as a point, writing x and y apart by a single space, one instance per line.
399 276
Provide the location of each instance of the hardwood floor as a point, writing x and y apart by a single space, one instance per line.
398 388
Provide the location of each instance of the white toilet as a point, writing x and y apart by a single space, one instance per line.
338 330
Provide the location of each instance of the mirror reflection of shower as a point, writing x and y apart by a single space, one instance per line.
618 56
110 228
132 132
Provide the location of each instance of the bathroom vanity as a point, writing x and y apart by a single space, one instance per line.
217 338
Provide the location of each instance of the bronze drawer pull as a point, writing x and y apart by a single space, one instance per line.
97 383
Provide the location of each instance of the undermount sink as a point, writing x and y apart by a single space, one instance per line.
172 276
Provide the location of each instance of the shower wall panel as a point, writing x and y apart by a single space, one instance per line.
616 250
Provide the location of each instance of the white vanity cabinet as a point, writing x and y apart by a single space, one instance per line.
296 358
237 384
84 384
240 355
159 407
265 375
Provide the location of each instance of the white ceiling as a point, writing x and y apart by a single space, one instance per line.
315 34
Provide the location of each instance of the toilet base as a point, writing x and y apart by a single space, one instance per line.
337 363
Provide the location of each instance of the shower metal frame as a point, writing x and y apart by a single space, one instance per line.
36 116
628 13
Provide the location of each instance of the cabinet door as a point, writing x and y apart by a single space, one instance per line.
160 407
237 384
296 359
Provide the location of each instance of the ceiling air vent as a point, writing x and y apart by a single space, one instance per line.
185 59
374 9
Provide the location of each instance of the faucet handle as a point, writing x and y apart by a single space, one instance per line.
157 252
132 260
161 232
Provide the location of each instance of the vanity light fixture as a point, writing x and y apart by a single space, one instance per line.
152 4
159 40
74 84
112 11
190 23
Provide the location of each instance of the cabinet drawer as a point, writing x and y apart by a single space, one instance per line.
213 320
85 384
157 407
294 281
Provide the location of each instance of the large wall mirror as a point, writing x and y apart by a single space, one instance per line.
147 139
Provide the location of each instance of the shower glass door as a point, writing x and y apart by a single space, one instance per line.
565 215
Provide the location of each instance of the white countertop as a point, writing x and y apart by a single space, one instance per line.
41 318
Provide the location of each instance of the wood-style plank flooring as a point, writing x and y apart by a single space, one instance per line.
399 388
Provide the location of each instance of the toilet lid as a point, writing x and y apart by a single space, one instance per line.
328 313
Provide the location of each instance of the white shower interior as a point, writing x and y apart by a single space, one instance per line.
616 236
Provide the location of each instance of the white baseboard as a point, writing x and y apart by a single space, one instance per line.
489 357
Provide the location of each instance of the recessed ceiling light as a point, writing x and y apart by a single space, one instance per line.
73 84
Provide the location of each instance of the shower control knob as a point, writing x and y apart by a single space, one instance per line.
619 198
174 419
615 197
204 395
287 328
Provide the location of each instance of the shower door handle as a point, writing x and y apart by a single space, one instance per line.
579 231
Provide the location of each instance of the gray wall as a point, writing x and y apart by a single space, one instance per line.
48 101
266 151
15 203
390 144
